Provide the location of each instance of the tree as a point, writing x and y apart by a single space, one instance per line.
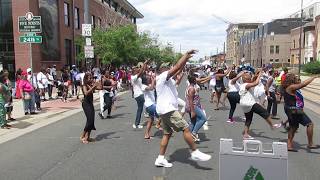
123 45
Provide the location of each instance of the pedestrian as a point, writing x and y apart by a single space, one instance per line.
79 79
27 94
294 109
9 104
233 93
42 81
50 83
4 98
194 108
167 108
88 88
106 96
17 89
53 72
272 98
73 75
212 84
150 103
65 78
250 105
136 79
220 87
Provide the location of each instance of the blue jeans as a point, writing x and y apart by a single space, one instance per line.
140 102
152 111
29 104
196 124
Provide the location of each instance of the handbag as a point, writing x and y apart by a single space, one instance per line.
26 95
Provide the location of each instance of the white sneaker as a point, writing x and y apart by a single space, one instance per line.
162 163
134 126
205 126
140 126
200 156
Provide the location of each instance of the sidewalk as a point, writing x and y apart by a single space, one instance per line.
52 111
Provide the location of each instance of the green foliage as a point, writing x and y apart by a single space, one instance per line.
312 67
80 41
123 45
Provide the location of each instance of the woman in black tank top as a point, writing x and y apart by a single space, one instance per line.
296 114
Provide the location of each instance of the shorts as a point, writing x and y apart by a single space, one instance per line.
77 83
151 110
213 88
220 89
296 119
173 121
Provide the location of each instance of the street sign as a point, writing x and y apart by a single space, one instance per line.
29 23
86 30
30 38
88 42
88 52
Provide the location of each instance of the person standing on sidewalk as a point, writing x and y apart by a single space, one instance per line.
9 104
167 108
27 94
137 91
88 88
50 83
42 81
4 98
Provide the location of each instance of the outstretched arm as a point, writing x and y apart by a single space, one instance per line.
226 73
255 83
305 83
234 80
180 63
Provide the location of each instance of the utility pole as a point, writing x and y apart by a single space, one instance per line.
86 11
300 40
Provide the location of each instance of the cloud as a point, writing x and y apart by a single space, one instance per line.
190 23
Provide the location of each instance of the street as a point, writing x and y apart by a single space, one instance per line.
121 153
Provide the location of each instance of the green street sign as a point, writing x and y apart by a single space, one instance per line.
29 23
30 38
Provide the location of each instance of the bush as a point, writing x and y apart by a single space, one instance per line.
312 67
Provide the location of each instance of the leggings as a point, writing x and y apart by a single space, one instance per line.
233 98
107 102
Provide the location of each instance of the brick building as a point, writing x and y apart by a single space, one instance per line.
61 24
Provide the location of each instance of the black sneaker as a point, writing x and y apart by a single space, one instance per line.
33 113
26 113
109 117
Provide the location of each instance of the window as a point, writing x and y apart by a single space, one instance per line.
271 49
277 60
277 49
271 60
99 22
289 60
294 44
114 5
93 21
66 14
311 10
76 18
68 50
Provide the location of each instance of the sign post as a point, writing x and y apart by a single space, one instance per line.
88 48
30 25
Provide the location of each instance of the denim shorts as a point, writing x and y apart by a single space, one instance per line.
151 110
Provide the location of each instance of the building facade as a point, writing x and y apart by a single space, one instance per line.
61 25
309 12
269 43
234 32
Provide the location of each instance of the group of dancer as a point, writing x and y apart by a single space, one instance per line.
156 90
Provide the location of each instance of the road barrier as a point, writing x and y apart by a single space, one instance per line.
252 162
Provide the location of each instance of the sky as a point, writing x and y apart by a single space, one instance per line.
190 24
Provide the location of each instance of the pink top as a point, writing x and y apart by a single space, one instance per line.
26 86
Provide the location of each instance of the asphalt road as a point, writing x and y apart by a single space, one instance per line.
120 153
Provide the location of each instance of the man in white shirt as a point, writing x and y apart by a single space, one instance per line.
42 81
137 91
53 72
167 108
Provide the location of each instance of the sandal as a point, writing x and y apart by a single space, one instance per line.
292 150
91 140
85 141
313 147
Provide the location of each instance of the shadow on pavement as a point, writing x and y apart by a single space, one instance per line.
104 136
183 155
254 133
299 146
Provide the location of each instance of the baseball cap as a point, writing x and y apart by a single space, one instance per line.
29 70
73 66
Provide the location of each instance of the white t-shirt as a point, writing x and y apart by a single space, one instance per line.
247 99
82 77
50 77
137 86
234 87
53 71
149 98
213 80
167 100
42 80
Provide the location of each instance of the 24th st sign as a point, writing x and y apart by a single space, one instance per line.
30 23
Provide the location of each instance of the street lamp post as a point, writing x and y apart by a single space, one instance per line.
300 40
